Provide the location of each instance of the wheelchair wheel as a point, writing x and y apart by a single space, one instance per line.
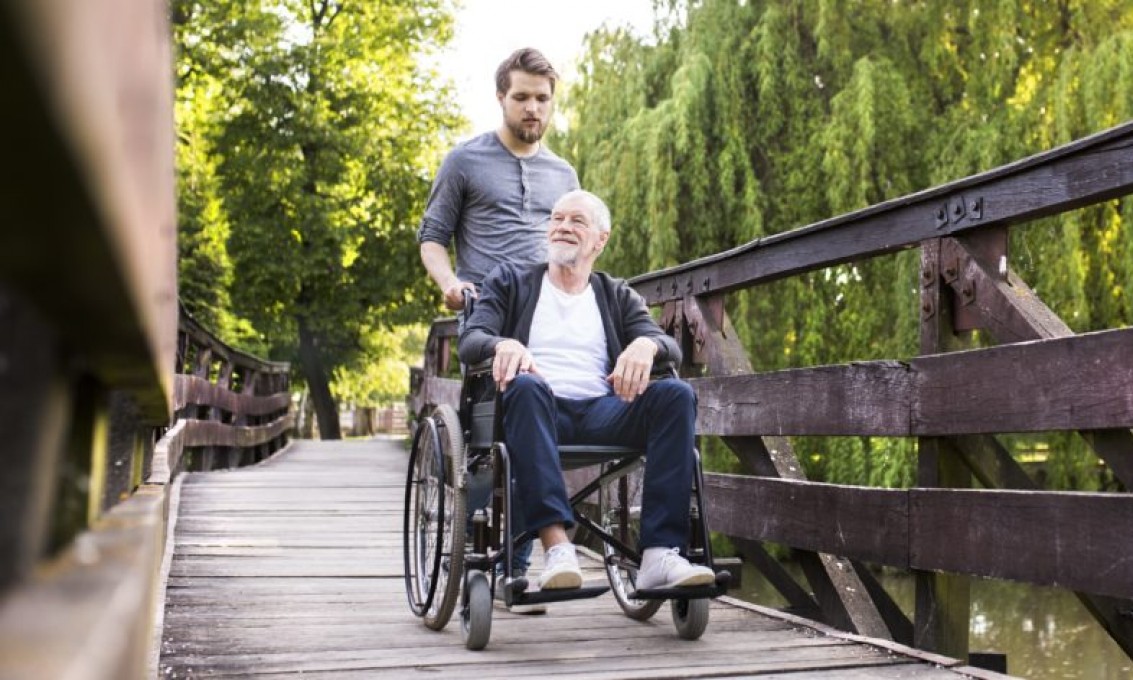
623 576
690 617
476 617
433 531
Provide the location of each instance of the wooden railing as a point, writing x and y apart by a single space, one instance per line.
88 318
89 341
232 408
1041 377
90 611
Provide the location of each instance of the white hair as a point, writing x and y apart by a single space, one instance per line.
599 213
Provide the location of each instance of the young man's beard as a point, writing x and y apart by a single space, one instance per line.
528 135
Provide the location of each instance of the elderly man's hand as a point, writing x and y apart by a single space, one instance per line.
454 294
630 376
511 359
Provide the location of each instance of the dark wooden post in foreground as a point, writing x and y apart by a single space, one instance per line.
88 320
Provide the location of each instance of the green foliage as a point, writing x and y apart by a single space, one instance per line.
380 374
308 134
737 120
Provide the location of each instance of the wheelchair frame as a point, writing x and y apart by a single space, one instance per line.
447 555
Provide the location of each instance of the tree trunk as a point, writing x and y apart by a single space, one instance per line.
317 384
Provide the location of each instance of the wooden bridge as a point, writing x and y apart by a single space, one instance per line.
294 566
109 395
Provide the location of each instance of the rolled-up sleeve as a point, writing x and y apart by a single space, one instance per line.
446 198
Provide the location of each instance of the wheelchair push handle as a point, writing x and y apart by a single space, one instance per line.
469 295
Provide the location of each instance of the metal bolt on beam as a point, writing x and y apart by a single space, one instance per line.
942 216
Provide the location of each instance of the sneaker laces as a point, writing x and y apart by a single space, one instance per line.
558 554
669 559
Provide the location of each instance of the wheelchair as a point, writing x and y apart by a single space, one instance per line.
455 557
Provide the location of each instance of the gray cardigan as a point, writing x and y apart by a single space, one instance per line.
507 304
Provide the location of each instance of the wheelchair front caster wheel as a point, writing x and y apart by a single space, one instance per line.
690 617
476 617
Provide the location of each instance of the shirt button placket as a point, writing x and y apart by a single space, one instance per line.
525 187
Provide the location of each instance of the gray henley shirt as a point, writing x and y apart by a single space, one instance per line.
496 204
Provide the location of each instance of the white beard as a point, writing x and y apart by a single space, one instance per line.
563 255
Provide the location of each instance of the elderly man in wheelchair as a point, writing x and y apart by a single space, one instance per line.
562 358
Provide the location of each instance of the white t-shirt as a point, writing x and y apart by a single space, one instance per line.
568 343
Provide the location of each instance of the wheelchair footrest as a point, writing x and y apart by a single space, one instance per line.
559 594
720 587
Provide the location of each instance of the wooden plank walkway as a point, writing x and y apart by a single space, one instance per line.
294 566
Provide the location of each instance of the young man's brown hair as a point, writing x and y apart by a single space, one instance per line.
528 60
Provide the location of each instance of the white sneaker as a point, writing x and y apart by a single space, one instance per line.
665 568
560 568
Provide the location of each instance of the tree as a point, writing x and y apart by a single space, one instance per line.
381 382
326 127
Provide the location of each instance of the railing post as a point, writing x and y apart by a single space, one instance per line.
34 409
123 449
203 456
248 378
992 298
217 414
943 601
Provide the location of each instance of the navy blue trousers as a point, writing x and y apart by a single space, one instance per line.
661 421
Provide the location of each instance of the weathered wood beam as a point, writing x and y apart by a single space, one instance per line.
440 391
1026 536
1081 541
126 430
1115 615
193 333
998 302
990 462
943 601
799 600
1086 171
852 521
90 234
850 399
89 612
1115 447
167 455
1079 382
988 296
1059 384
210 433
193 390
894 617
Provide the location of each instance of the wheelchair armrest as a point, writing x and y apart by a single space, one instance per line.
479 368
664 370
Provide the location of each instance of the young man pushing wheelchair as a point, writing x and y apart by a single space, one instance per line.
572 351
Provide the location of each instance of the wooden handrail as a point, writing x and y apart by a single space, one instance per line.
92 608
1090 170
88 318
235 406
